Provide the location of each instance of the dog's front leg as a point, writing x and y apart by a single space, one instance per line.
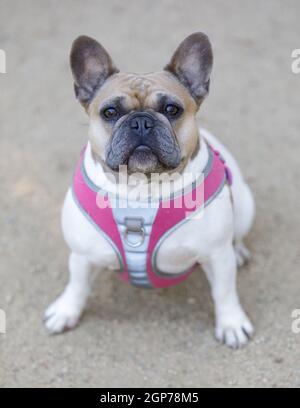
232 325
64 313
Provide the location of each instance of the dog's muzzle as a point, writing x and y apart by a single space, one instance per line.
143 142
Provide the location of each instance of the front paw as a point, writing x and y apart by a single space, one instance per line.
63 314
233 327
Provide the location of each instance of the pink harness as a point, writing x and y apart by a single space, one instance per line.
138 259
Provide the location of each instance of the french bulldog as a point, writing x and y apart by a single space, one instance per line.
148 124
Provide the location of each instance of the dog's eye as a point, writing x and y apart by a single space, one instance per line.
110 113
171 110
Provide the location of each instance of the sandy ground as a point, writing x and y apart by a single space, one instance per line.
130 337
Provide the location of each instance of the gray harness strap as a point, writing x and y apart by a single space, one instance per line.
135 225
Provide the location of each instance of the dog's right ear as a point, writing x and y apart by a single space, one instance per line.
91 65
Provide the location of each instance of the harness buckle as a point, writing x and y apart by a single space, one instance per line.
134 226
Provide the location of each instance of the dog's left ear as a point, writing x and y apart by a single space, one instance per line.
192 64
91 65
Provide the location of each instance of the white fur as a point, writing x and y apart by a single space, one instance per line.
207 240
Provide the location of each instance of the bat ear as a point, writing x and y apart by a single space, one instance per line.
192 63
91 65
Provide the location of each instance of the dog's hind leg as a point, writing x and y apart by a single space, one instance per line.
244 211
243 202
64 313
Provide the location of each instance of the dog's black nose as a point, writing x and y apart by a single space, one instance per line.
141 124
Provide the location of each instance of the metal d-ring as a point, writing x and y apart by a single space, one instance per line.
135 226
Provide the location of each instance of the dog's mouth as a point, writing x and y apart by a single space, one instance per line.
143 159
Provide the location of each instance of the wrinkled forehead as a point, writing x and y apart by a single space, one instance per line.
137 91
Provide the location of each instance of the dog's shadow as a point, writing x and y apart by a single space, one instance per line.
114 300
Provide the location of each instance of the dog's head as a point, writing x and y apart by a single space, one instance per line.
146 122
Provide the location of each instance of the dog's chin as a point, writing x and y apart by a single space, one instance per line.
143 160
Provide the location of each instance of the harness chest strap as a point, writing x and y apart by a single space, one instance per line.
152 226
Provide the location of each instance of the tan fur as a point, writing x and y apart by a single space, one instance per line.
141 92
